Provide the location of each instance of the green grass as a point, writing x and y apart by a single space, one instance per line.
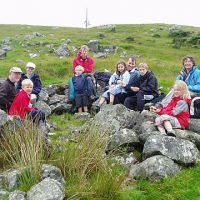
88 174
184 186
158 53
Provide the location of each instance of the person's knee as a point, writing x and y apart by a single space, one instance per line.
127 103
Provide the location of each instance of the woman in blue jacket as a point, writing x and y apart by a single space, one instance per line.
37 85
191 75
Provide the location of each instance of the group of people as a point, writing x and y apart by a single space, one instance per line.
18 94
134 86
129 85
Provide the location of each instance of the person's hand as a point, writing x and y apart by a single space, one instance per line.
123 84
154 109
135 89
119 82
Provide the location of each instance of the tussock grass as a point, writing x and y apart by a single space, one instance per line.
87 169
22 147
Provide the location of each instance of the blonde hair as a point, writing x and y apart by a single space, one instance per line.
181 85
84 47
79 67
27 82
144 65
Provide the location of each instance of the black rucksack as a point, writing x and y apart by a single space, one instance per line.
102 77
196 106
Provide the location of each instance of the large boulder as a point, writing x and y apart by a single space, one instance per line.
189 135
10 178
179 150
41 105
194 125
3 54
123 137
17 195
154 168
113 118
47 189
52 172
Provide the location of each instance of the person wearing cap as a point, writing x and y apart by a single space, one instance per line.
8 90
37 85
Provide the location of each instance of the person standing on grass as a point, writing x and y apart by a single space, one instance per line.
117 83
30 74
176 113
87 63
8 90
78 89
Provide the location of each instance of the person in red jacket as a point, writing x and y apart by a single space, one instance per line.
84 60
21 105
176 113
87 63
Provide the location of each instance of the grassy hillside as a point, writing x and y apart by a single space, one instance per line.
151 42
155 47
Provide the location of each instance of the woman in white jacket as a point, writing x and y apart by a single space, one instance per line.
117 83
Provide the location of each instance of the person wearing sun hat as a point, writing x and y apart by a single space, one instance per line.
30 74
8 90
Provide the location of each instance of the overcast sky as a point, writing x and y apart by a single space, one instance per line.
72 12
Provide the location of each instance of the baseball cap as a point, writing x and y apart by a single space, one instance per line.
31 64
15 69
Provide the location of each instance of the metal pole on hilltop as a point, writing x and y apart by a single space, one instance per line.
86 19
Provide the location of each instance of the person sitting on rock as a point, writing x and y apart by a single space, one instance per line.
117 83
133 81
22 106
146 90
176 113
30 74
78 89
8 90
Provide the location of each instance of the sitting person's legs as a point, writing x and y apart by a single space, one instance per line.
130 102
140 100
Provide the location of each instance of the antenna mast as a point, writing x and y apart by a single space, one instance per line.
86 19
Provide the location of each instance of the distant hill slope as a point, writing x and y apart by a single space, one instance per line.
161 46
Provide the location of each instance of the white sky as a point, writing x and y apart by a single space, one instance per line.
71 13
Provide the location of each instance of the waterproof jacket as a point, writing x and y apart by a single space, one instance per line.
21 105
192 80
133 81
7 94
37 85
149 84
125 77
179 108
77 85
87 63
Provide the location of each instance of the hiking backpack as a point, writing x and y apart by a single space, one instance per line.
102 78
195 108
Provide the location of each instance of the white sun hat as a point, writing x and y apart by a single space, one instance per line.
31 64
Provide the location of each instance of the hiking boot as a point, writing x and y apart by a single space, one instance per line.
171 133
97 108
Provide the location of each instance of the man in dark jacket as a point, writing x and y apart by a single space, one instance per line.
147 89
30 74
8 90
